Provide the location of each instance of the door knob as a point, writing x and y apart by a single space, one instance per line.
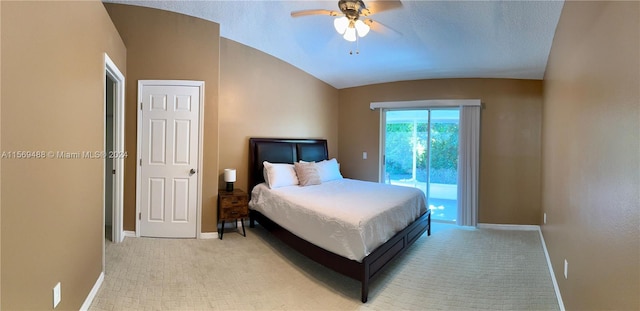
192 171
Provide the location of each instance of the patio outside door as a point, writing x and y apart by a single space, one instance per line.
421 151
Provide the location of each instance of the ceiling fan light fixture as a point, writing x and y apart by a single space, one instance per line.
341 24
350 34
362 28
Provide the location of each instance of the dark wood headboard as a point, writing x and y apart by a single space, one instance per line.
282 150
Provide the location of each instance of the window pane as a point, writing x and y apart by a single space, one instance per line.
443 166
406 148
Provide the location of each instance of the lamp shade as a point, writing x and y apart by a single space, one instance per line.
350 34
341 24
362 28
229 175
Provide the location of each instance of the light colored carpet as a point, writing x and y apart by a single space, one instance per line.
453 269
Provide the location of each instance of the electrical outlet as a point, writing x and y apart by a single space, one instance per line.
544 218
364 155
566 269
57 295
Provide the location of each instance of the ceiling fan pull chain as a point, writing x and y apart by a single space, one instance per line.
357 47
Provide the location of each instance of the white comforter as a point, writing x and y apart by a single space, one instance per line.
348 217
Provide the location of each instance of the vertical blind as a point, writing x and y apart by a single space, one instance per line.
468 165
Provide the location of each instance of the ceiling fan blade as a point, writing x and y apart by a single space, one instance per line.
374 7
381 28
314 12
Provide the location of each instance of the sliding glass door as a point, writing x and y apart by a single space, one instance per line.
421 151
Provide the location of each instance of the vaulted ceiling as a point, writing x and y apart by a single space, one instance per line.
424 39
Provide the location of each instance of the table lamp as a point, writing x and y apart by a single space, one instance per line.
229 178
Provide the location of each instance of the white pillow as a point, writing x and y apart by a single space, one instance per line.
328 170
279 175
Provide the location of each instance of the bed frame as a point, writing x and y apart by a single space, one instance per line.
292 150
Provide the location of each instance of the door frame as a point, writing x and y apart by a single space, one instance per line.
422 104
200 86
112 71
382 166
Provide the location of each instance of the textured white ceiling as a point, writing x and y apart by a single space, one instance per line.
434 39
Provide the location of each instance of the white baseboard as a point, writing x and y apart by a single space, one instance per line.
208 235
553 275
92 294
203 235
509 227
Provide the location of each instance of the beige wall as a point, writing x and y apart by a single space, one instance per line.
261 96
0 160
53 100
168 46
590 158
591 155
509 186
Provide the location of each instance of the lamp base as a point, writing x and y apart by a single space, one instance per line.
229 187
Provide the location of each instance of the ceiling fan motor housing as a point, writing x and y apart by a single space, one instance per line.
351 8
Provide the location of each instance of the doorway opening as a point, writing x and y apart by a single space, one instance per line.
114 153
421 151
108 165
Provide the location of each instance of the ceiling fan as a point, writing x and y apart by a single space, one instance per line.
348 22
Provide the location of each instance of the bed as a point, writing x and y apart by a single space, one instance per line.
363 262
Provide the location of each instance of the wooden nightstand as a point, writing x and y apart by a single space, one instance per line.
232 206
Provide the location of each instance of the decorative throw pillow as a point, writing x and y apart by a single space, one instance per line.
307 173
328 170
279 175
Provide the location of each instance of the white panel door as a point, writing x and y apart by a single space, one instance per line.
169 160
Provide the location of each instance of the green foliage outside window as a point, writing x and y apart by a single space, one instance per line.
444 151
